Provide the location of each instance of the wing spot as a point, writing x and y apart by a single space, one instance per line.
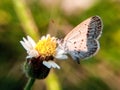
80 32
75 42
87 34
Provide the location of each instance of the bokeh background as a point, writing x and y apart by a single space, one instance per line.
19 18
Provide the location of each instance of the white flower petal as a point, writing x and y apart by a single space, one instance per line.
24 45
28 57
54 65
48 35
53 38
60 51
31 41
43 37
51 64
46 64
27 43
60 54
61 57
33 53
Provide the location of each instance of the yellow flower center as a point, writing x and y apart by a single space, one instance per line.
46 46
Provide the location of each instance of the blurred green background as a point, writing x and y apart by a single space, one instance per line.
19 18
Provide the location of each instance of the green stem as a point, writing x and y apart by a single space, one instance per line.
26 19
29 84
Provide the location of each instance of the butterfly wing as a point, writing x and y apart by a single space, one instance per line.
82 41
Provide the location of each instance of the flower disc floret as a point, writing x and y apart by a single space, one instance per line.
46 46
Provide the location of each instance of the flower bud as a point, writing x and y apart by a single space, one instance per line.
34 67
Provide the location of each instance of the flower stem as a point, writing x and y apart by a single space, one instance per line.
29 84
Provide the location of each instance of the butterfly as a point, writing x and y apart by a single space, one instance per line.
82 42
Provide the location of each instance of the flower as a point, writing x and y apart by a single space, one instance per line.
45 50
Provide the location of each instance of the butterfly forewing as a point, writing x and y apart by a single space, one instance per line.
82 41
